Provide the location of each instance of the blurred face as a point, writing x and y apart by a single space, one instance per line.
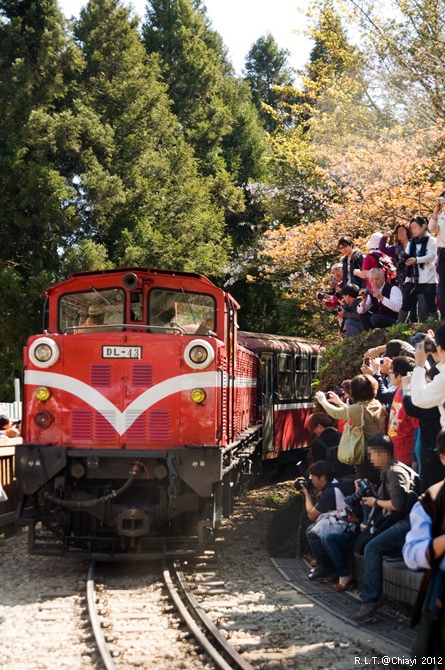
378 457
337 274
402 234
416 229
385 367
348 299
376 280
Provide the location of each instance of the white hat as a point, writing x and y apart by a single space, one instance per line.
373 242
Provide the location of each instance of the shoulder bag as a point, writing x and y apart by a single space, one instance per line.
351 449
328 522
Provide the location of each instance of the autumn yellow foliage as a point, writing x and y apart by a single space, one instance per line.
375 184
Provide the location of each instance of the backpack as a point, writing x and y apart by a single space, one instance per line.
387 266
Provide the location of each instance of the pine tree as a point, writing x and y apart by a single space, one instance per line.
207 98
266 69
153 208
37 65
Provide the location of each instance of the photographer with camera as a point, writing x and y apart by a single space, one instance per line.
328 498
388 522
429 394
380 305
437 225
352 325
364 403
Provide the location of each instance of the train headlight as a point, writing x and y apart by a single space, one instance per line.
44 352
43 393
199 354
43 419
198 396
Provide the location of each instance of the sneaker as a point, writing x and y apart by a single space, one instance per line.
367 610
322 572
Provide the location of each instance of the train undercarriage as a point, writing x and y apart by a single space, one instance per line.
107 504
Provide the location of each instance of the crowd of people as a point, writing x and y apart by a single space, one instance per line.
401 278
391 500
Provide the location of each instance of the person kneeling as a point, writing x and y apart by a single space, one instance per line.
329 498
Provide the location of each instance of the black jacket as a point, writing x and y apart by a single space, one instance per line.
356 263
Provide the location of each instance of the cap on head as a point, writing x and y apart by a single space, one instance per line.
373 242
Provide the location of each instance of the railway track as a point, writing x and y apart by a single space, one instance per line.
268 622
114 611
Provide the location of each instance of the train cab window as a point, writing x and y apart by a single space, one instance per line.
91 311
302 377
190 313
284 376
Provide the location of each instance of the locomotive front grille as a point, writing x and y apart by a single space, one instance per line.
142 375
82 424
100 374
159 425
91 425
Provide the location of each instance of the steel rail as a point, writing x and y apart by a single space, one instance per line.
95 623
209 625
191 624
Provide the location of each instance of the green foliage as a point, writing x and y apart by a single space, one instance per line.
148 203
214 109
266 70
344 359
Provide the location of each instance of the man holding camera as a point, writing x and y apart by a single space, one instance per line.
328 498
352 325
388 521
431 394
380 305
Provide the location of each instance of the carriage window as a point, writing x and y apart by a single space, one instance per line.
284 381
302 377
315 363
192 313
92 308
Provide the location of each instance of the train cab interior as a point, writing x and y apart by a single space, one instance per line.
167 311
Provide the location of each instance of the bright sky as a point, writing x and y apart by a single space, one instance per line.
242 22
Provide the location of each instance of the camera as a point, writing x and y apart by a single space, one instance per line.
364 490
321 295
337 309
345 514
364 291
303 479
429 343
302 482
402 259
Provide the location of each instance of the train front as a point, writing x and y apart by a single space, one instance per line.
127 423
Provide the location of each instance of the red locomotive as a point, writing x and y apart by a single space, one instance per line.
142 412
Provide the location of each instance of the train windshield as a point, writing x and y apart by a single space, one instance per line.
103 307
193 313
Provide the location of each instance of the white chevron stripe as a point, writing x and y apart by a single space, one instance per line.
121 421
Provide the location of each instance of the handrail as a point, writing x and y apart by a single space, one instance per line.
115 326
